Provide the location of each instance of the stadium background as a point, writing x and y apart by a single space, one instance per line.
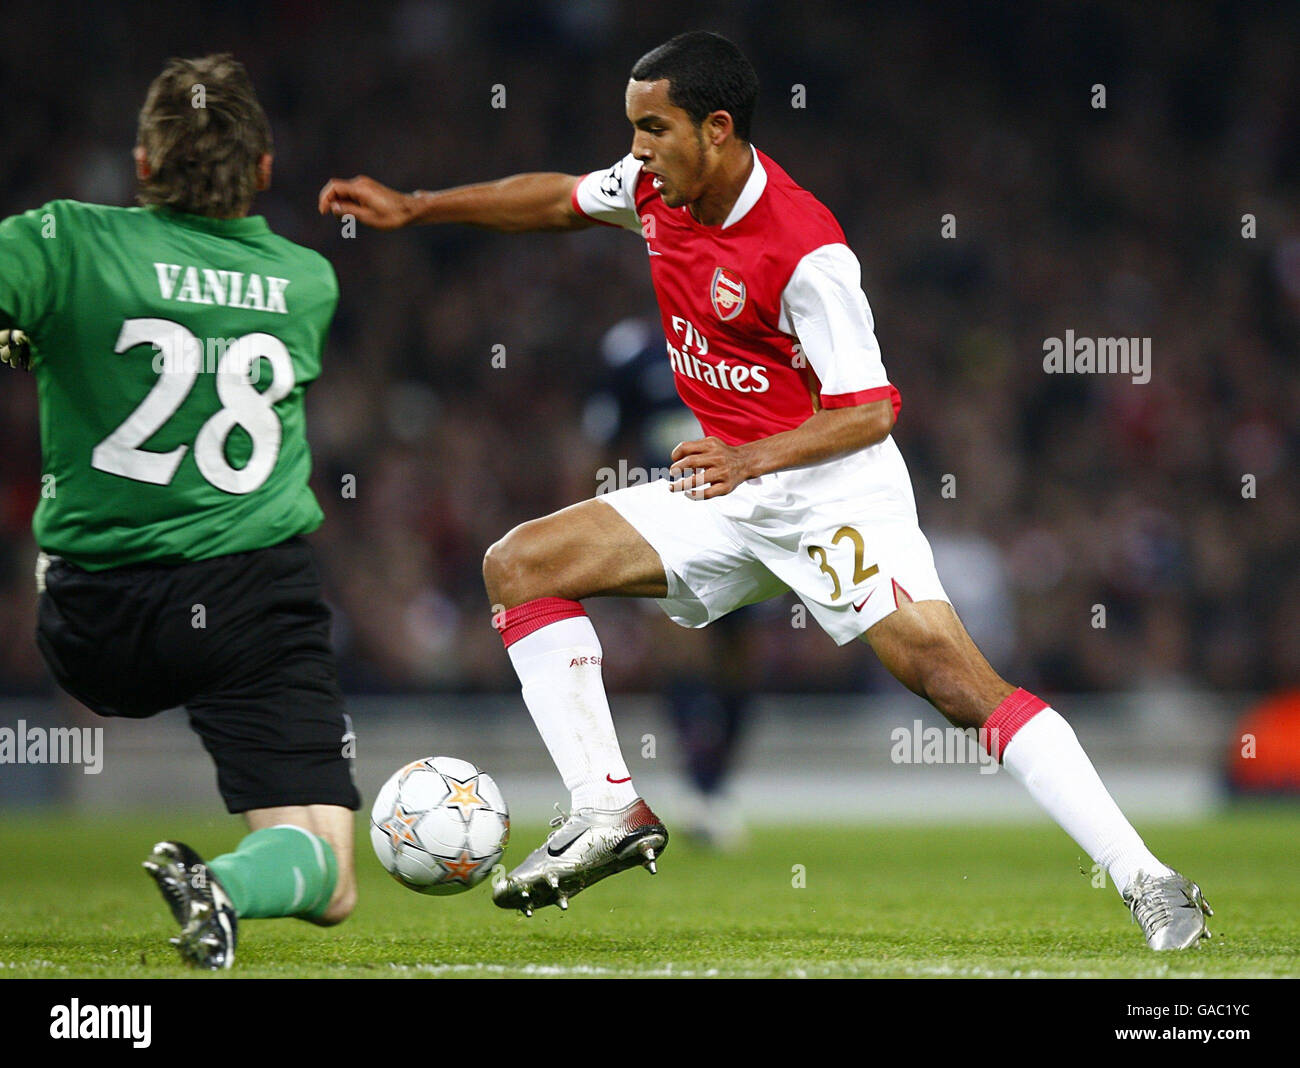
1072 491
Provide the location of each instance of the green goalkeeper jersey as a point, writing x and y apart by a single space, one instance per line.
171 353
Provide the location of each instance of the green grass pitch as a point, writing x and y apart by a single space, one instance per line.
877 902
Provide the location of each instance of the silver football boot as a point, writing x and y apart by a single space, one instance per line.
584 848
209 927
1170 910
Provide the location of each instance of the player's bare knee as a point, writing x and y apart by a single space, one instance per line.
340 906
517 568
504 571
493 572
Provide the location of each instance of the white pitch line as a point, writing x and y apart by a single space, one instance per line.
821 970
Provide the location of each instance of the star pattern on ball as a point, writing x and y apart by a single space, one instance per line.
464 795
462 868
400 827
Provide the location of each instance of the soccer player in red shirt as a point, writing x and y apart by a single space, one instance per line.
796 485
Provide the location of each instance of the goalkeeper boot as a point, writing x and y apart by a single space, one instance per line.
198 903
1170 910
584 848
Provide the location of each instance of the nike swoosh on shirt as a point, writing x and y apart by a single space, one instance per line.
858 607
608 778
564 848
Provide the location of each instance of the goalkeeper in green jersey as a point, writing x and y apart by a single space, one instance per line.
172 345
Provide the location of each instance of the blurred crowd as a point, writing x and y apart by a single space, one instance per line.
461 362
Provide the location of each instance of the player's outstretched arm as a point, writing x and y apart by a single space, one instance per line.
522 202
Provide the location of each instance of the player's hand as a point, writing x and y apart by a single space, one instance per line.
717 468
15 349
370 202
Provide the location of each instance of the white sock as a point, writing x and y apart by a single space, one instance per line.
559 668
1045 756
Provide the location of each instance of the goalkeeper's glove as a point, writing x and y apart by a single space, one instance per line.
15 349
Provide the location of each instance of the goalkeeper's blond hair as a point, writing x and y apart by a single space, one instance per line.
203 133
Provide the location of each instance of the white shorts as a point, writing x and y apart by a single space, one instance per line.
843 535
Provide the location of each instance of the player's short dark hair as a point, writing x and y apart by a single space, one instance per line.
705 73
203 132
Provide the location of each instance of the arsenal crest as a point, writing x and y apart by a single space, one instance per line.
728 293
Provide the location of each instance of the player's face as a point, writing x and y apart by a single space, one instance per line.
668 144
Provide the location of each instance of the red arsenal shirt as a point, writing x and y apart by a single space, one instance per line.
764 316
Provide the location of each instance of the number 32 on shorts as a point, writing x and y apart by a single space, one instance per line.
860 573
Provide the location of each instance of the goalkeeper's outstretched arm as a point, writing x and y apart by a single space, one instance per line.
520 203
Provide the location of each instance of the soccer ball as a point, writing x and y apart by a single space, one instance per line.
439 825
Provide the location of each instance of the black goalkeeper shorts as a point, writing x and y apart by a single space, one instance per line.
241 641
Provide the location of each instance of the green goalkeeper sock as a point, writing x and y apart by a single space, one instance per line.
278 871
